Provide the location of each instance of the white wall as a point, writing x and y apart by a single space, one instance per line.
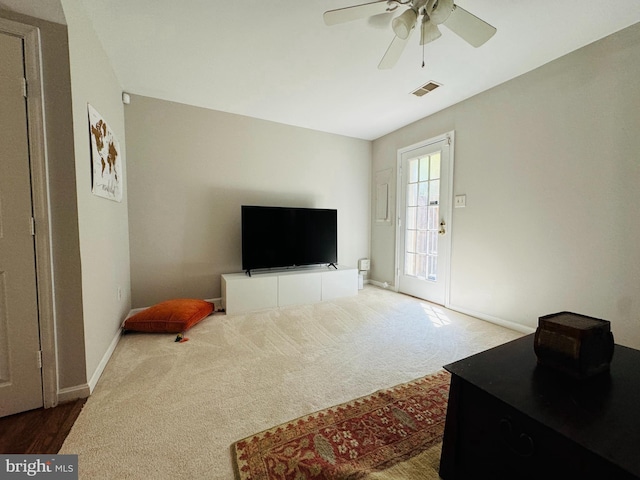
189 171
103 224
549 163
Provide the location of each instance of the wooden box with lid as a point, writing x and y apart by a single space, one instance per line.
574 344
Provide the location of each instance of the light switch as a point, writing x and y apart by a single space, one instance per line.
461 201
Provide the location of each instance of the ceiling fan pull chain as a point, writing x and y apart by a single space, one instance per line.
423 55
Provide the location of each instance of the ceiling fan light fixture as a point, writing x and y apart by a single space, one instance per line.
429 31
404 23
441 13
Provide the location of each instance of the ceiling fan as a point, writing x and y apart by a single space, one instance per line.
430 14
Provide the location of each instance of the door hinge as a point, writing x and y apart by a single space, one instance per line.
32 221
24 87
39 353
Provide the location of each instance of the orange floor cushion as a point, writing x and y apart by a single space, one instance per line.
171 316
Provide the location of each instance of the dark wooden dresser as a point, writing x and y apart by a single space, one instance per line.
511 419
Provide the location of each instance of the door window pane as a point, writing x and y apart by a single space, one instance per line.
434 192
421 266
421 242
423 213
423 189
432 243
433 222
433 268
413 170
412 194
434 167
411 218
424 169
411 241
410 264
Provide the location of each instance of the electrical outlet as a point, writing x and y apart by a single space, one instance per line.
460 201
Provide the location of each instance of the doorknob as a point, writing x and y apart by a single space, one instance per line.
442 230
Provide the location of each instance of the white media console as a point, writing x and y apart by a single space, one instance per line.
243 293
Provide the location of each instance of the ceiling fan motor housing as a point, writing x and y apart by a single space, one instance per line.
440 11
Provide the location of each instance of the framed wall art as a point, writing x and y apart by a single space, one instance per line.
106 161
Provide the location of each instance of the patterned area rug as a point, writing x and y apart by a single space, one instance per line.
397 431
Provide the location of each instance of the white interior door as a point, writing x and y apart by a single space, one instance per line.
424 209
20 374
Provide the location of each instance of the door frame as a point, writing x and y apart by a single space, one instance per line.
40 203
448 214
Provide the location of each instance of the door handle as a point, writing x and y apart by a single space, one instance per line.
442 231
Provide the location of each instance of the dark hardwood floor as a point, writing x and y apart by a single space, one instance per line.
38 431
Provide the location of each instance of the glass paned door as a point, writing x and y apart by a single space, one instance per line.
422 213
423 245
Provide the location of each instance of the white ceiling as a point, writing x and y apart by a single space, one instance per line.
277 60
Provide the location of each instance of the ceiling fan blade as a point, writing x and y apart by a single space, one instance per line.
393 53
381 21
342 15
469 27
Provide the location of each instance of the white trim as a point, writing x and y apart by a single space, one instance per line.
488 318
217 302
452 155
103 363
472 313
40 204
381 285
73 393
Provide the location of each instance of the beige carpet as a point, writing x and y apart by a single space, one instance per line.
167 410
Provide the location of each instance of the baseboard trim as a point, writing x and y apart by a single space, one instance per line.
217 302
488 318
105 359
73 393
384 285
472 313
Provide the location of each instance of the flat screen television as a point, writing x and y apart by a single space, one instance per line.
275 237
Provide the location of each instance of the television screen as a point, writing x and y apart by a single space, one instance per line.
286 237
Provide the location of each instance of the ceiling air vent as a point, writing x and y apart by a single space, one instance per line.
426 88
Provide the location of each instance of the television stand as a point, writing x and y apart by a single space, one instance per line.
243 292
247 272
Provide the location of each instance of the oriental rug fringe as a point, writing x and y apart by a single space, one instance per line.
392 433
